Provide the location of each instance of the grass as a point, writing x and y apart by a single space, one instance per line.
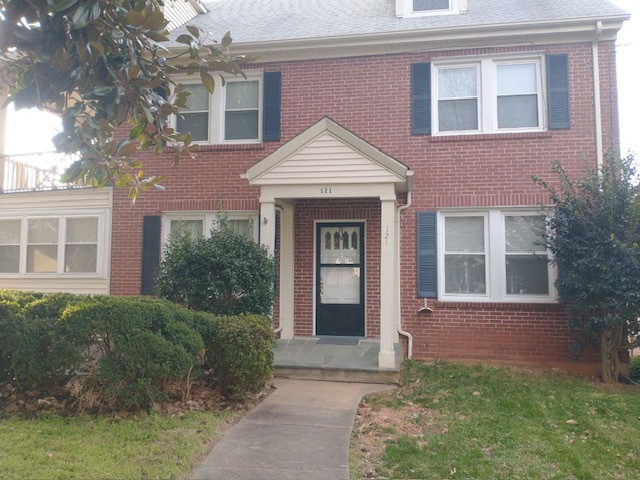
480 422
149 447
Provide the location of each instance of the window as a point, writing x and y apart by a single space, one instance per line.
416 8
488 96
62 245
493 255
231 114
201 223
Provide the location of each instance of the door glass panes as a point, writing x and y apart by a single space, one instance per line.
341 245
10 246
81 248
195 118
517 95
464 258
42 245
526 262
426 5
457 99
339 285
241 110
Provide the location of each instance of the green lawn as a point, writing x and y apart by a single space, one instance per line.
86 448
478 422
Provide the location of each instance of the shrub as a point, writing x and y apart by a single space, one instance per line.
225 274
634 369
242 354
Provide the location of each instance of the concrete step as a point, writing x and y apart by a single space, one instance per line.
328 374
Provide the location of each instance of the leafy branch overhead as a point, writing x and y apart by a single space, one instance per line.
102 66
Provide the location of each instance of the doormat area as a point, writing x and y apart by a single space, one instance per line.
337 341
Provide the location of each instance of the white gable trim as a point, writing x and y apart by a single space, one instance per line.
327 152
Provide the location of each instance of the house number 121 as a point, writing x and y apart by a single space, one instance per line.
325 190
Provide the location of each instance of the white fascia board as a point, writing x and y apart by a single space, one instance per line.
433 39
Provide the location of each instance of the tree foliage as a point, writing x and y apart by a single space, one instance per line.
100 64
225 274
594 235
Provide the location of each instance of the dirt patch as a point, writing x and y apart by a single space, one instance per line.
376 425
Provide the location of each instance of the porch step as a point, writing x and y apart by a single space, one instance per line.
318 358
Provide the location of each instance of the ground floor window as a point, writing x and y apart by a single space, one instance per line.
484 255
201 223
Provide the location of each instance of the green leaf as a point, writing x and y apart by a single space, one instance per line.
60 5
226 40
137 130
207 81
135 18
85 14
193 30
127 149
184 38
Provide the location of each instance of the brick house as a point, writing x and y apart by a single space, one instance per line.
384 150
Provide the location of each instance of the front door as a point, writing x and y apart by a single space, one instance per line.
340 279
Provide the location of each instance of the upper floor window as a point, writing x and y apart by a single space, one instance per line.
52 245
488 96
232 113
415 8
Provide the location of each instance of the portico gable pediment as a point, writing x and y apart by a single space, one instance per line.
328 153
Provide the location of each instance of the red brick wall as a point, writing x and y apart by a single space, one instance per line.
371 97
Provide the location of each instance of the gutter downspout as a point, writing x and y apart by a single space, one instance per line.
400 209
596 96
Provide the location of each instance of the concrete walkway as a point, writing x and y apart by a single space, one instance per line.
301 431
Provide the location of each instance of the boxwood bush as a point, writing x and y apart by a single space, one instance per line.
634 369
126 351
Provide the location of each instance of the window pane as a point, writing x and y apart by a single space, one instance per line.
196 123
242 95
455 115
10 232
82 230
518 111
42 258
420 5
457 83
242 125
518 78
522 233
340 285
240 226
43 230
464 274
81 258
199 98
193 227
527 274
9 258
464 234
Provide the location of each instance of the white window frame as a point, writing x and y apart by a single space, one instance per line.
102 245
495 259
217 100
455 6
487 68
209 221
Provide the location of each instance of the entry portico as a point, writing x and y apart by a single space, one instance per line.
327 162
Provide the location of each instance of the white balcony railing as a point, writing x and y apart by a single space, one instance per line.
33 171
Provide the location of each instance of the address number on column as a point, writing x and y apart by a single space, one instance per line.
325 190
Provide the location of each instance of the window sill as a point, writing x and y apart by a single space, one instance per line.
525 304
488 136
202 147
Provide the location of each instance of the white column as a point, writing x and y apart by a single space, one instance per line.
286 270
386 358
268 226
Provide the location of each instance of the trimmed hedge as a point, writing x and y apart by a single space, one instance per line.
634 369
127 350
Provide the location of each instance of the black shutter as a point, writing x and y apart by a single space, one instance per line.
272 106
558 88
421 99
150 252
427 255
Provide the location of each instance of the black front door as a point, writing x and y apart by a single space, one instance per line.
340 279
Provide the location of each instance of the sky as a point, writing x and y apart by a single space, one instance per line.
29 133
